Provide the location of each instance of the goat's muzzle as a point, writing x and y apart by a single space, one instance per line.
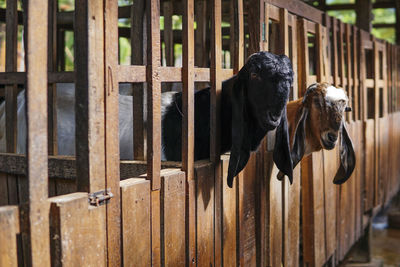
348 109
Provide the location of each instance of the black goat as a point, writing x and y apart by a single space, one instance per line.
253 102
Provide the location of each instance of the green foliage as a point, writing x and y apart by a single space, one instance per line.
347 16
381 15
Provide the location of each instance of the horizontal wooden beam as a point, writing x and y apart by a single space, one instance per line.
53 77
353 6
63 167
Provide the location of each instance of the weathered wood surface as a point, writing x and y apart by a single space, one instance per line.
9 228
135 221
74 227
173 217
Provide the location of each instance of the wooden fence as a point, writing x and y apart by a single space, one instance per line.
183 214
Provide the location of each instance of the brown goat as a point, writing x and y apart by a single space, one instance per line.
315 122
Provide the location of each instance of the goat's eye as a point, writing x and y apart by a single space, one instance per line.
254 75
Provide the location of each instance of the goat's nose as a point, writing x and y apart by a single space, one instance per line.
332 137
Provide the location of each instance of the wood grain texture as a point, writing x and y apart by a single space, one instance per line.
135 221
229 211
205 214
138 41
313 212
74 228
173 217
36 60
111 129
9 228
188 90
89 104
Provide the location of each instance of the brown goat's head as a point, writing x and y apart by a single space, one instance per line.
326 105
316 121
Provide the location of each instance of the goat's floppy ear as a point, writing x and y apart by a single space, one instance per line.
298 134
299 142
240 150
281 154
347 158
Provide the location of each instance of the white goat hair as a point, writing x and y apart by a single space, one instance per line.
66 120
335 94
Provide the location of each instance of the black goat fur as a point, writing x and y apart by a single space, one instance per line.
253 102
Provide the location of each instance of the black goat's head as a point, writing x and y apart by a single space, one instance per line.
259 96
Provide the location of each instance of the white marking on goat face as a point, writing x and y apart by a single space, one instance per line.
335 94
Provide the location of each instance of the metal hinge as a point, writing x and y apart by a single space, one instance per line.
100 198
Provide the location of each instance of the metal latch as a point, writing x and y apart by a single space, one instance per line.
100 198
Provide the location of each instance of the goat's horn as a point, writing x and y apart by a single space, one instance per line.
348 109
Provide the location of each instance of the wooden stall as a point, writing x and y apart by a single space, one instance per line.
93 209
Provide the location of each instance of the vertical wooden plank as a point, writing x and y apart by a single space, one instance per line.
173 218
188 121
364 14
303 69
188 89
376 120
168 33
229 219
9 228
155 228
335 52
11 92
350 80
205 213
89 104
138 39
215 122
113 208
341 55
52 89
292 220
71 219
201 17
154 94
320 53
356 84
37 159
3 189
313 210
135 219
11 66
238 35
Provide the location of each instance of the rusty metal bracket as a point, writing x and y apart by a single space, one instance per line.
100 198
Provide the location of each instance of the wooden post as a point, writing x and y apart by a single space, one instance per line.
215 122
111 133
11 92
154 94
364 14
37 174
188 125
154 122
397 2
52 88
89 104
138 40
